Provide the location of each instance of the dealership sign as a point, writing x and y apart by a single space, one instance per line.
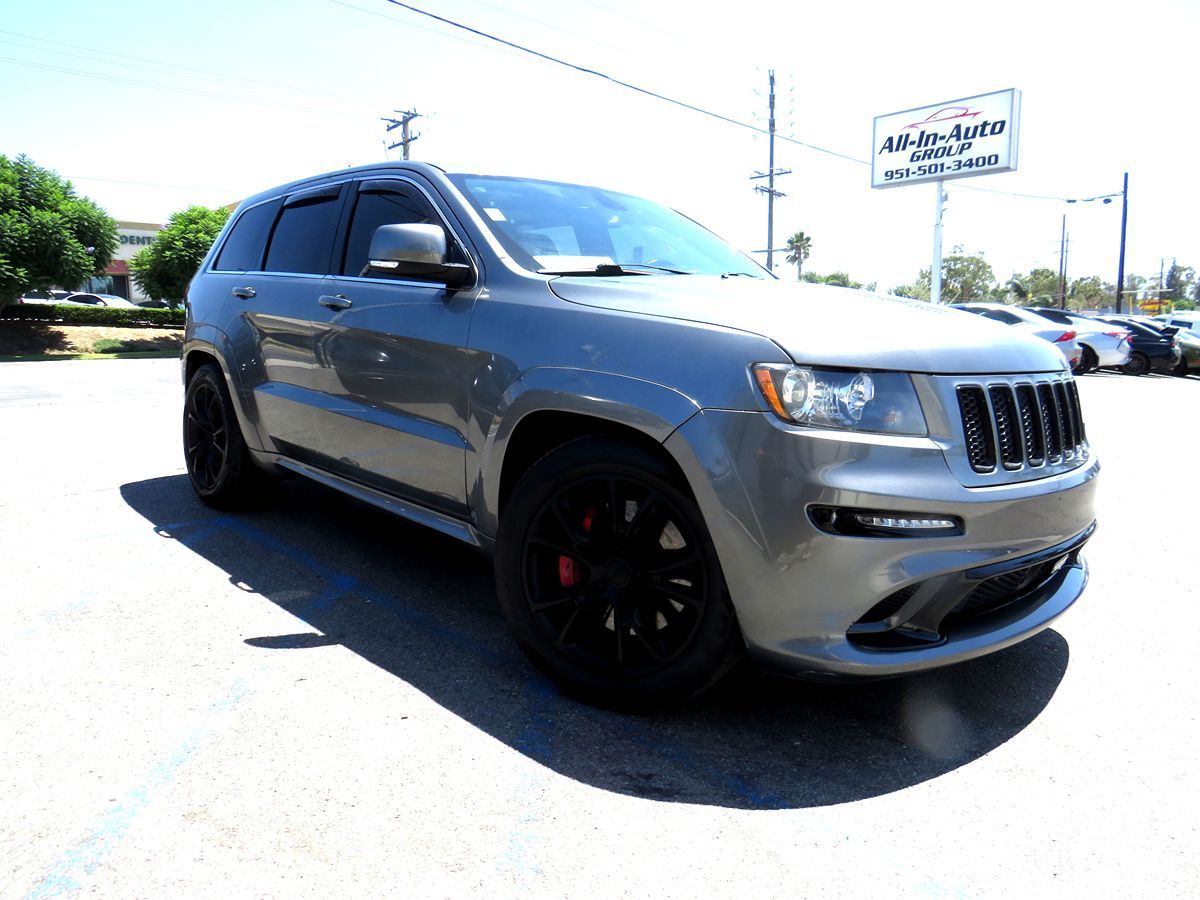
955 139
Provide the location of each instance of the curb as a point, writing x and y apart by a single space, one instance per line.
142 354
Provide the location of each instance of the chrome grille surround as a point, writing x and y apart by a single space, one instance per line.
1002 429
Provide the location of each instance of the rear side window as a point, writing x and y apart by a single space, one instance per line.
303 237
393 204
1001 316
243 250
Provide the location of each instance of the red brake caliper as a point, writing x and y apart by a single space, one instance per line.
568 571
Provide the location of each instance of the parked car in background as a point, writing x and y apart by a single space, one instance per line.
1187 341
1061 337
1103 345
50 296
1185 321
675 457
1153 350
86 298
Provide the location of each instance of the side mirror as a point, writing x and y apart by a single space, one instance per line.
417 251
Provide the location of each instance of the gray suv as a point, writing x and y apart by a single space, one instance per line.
674 457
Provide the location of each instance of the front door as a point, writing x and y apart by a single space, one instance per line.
391 370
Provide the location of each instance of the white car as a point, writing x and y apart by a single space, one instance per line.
44 297
1103 344
1061 337
85 298
1184 321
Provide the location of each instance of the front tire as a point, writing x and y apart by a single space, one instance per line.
218 463
608 578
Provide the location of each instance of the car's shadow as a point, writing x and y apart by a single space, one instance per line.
422 607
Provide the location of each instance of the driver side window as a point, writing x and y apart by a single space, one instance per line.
393 204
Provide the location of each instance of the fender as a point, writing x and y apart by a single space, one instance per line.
214 342
645 406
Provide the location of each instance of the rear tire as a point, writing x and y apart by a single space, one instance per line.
218 463
609 580
1088 361
1139 364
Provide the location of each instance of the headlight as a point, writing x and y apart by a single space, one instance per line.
865 401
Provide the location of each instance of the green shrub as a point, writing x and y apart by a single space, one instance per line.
121 317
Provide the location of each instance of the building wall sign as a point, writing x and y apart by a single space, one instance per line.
132 237
955 139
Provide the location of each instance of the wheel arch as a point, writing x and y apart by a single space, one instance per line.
547 408
199 350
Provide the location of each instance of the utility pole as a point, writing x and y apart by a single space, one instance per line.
770 174
406 116
1062 266
1121 261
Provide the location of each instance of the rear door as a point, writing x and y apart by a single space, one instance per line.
270 305
391 368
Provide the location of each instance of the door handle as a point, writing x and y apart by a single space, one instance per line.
245 293
334 301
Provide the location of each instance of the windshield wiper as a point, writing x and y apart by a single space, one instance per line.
737 274
608 270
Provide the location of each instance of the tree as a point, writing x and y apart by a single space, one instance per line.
966 278
838 279
163 269
1087 293
799 247
911 291
49 236
1040 287
1181 282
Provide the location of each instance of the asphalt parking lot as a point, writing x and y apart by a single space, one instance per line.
314 700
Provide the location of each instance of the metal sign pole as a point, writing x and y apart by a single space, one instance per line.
935 273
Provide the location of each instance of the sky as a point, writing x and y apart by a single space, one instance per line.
149 108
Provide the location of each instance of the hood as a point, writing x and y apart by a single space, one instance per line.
817 324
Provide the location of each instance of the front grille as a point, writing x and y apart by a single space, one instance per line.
1021 425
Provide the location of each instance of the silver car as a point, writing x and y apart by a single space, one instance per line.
1064 338
674 457
1103 345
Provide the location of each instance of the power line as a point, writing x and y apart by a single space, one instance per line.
175 89
94 55
184 187
545 24
625 84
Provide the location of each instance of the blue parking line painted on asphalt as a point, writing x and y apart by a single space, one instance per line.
536 740
111 828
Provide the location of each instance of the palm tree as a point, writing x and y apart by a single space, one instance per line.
799 246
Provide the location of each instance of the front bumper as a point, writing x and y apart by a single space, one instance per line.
811 601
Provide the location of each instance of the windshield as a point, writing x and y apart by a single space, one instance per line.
559 228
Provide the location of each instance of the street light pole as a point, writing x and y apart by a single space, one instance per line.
1121 262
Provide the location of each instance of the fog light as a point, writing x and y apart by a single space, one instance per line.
883 523
902 523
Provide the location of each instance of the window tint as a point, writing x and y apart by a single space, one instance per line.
304 236
243 250
1053 315
397 204
1001 316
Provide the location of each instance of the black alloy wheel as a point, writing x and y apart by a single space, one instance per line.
608 578
206 436
1088 361
1139 364
218 463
